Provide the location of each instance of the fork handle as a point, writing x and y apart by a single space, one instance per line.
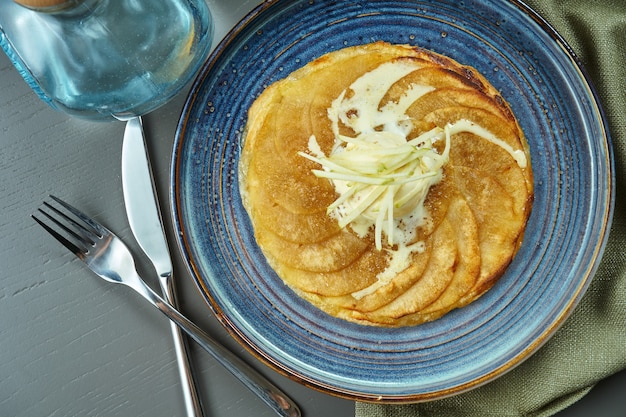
254 381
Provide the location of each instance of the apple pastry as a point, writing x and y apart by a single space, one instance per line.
386 184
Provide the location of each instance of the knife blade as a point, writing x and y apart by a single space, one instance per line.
144 217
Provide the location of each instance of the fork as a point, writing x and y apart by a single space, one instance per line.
108 256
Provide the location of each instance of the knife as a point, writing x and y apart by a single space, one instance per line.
144 217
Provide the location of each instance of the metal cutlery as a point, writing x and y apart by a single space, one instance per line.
106 255
144 217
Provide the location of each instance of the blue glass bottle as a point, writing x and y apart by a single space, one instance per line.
106 59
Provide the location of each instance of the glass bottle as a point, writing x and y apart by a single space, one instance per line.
106 59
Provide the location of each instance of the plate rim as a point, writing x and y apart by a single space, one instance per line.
185 249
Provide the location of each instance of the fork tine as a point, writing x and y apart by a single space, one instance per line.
76 236
96 228
65 242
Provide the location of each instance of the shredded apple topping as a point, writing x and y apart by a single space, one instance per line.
383 177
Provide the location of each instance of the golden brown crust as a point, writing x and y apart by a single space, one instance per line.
478 211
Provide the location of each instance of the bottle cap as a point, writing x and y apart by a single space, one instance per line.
38 4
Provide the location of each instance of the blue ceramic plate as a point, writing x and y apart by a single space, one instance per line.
571 155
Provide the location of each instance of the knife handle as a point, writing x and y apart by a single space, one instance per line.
193 404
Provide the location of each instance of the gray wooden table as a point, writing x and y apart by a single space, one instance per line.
73 345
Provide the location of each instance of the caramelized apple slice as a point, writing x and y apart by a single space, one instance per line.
312 227
351 280
332 254
435 279
499 227
475 152
467 268
334 285
453 97
428 75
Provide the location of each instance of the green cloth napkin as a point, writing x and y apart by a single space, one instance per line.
591 345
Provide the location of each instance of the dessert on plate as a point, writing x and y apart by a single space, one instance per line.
386 184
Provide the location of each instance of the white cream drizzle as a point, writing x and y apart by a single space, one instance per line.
463 125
